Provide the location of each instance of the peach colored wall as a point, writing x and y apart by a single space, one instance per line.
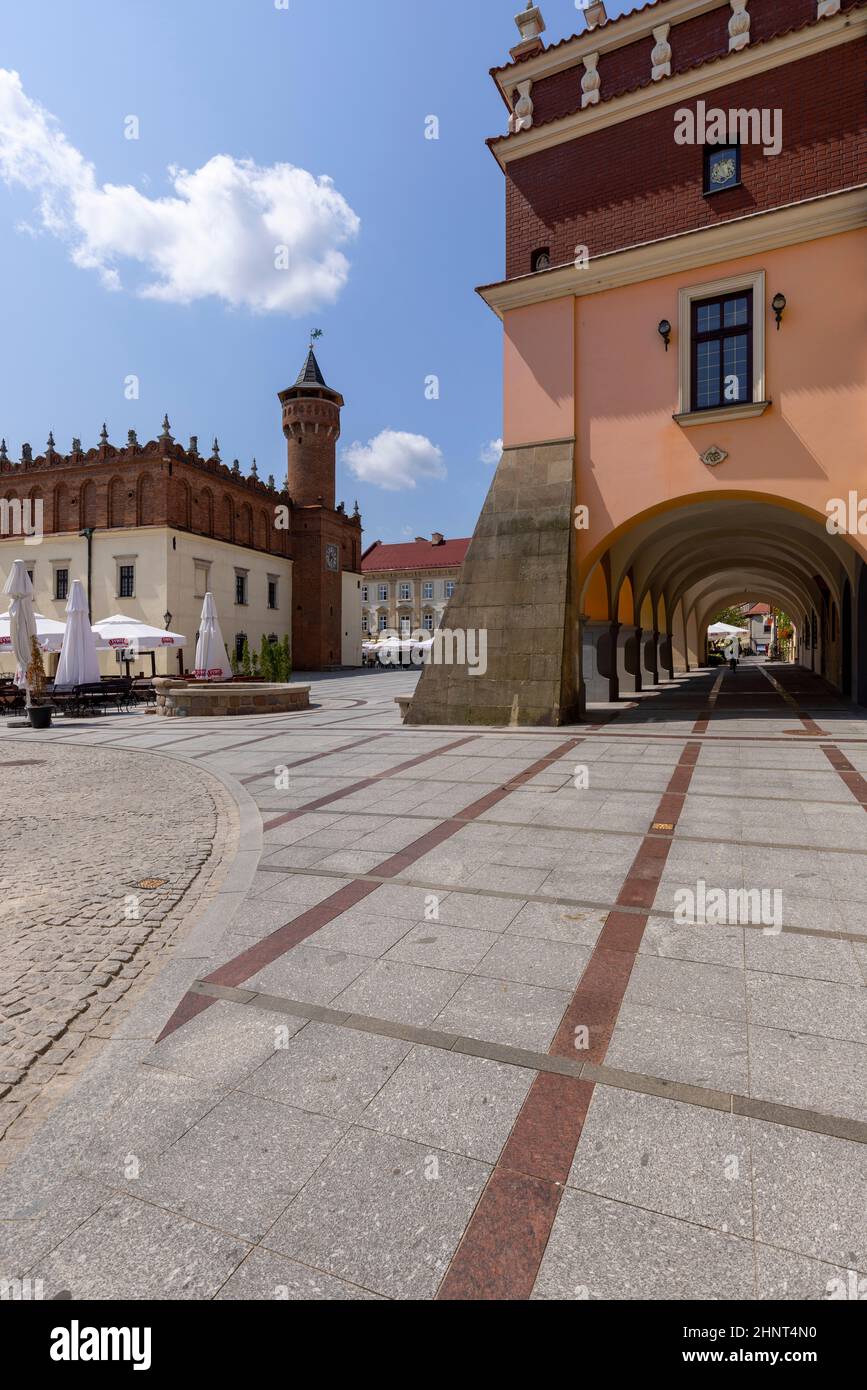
539 373
808 447
604 352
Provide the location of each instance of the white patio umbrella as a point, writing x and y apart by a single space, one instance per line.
725 630
212 663
79 663
49 633
120 631
22 620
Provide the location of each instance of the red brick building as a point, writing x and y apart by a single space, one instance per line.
166 521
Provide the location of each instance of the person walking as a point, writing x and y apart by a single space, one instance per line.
733 650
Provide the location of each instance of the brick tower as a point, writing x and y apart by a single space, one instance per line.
311 424
326 543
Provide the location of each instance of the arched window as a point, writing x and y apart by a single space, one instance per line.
206 512
146 502
226 519
87 504
116 502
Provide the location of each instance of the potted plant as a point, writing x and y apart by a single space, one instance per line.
38 708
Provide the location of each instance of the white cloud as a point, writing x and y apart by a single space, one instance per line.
394 460
221 235
492 452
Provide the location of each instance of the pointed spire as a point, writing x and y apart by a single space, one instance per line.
215 451
167 430
103 435
49 448
271 483
254 471
131 439
3 453
356 512
311 374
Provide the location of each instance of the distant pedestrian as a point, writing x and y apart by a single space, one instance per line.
732 650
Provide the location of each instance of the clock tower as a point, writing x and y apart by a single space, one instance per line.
326 543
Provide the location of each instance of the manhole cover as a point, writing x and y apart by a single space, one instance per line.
151 882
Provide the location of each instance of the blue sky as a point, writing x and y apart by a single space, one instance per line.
397 242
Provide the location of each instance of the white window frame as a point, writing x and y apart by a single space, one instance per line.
428 622
201 565
383 593
751 280
365 623
365 594
427 590
275 580
383 622
451 585
124 562
245 575
405 592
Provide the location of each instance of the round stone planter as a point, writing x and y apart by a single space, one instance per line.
178 699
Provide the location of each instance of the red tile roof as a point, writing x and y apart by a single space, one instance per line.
414 555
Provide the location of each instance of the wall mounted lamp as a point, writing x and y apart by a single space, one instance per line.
778 304
664 331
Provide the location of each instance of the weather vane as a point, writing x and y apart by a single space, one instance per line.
314 334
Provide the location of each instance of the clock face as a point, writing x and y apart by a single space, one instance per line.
723 171
332 558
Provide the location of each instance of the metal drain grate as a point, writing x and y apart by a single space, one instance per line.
152 882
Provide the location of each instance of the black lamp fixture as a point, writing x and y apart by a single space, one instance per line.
664 331
167 618
778 304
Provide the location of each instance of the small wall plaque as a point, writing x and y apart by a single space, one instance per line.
714 456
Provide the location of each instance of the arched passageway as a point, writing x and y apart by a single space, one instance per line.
646 600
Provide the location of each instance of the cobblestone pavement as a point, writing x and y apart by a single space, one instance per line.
477 1013
82 831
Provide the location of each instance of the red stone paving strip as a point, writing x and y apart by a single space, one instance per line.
503 1246
810 725
265 952
701 725
364 783
854 780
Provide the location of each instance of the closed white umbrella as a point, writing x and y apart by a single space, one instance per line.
79 663
22 620
212 664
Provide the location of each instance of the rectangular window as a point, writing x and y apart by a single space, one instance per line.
61 584
428 622
240 589
427 590
365 594
126 581
450 588
722 351
383 593
201 579
383 622
272 593
405 627
365 623
405 593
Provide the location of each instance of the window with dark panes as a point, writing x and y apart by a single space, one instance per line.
126 581
61 584
722 351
